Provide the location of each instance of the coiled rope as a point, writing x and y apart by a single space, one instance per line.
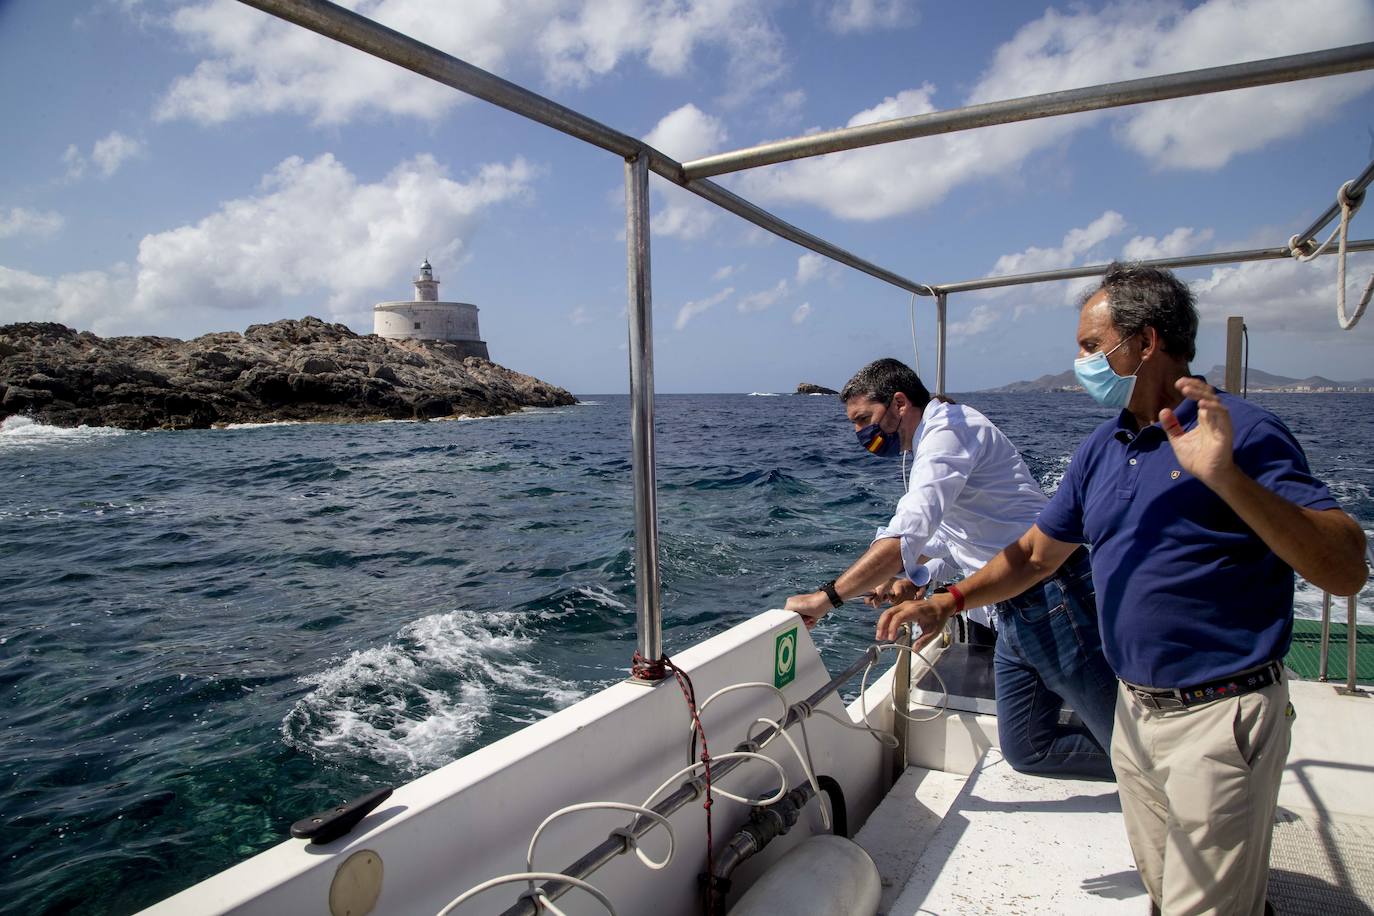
1349 202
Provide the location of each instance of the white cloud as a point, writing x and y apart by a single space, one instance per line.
1075 244
580 315
867 15
590 37
1079 245
1282 295
1088 47
802 313
725 273
980 318
76 299
697 306
812 266
757 302
20 221
112 151
256 64
108 154
687 133
684 217
1183 240
312 229
74 161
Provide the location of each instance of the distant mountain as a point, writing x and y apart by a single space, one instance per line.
1064 381
1258 380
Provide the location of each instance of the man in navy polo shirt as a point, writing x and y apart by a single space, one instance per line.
1199 507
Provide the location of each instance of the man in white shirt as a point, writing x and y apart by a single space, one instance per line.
970 495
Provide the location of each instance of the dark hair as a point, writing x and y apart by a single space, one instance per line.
1139 297
883 378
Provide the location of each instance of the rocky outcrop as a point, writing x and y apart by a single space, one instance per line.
286 370
808 388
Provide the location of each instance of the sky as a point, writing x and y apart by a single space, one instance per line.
182 168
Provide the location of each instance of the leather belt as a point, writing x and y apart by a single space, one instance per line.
1245 681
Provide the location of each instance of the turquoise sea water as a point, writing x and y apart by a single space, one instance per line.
206 635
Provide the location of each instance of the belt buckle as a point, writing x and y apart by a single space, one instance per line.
1157 701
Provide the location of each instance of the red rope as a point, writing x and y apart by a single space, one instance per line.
646 670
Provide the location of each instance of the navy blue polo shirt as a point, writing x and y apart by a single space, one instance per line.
1186 592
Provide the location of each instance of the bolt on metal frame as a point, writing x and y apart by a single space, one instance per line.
357 31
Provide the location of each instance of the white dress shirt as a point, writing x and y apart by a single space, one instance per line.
969 494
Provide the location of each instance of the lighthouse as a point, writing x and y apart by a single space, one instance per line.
427 318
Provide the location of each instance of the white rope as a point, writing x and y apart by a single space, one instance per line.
631 841
1349 207
541 901
692 727
805 765
717 790
936 711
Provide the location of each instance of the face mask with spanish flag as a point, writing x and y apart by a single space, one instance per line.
878 442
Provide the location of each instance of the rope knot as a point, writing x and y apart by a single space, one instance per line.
643 669
1348 198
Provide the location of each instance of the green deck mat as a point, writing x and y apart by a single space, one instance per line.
1305 655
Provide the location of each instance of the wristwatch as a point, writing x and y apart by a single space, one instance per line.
834 596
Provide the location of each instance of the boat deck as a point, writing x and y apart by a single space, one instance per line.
1304 656
995 841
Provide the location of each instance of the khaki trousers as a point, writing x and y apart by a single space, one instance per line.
1198 790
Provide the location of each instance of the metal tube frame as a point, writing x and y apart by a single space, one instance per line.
1356 190
1350 646
1091 98
1326 638
1095 270
941 333
349 28
648 594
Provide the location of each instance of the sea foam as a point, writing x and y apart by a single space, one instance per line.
23 432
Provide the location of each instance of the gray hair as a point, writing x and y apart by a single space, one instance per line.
1139 297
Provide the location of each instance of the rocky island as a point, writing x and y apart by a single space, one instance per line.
306 370
808 388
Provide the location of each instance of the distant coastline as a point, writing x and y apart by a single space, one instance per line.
1257 381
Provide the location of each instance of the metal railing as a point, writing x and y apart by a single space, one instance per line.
350 28
1351 632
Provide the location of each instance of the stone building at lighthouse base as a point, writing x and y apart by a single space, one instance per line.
426 318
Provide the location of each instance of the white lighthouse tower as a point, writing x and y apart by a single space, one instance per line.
427 318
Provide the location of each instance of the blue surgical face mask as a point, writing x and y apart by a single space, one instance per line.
1100 380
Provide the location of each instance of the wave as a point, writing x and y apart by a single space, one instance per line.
763 394
424 699
21 432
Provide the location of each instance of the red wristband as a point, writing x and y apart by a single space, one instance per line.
958 598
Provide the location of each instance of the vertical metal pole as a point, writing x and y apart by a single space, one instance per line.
1350 644
901 701
1235 329
649 610
941 312
1326 636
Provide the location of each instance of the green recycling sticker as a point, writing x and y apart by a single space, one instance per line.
785 658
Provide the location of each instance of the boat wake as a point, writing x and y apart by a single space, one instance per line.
426 698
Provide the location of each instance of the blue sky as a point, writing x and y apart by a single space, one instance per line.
182 168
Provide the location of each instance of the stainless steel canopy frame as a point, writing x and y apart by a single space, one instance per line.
359 32
349 28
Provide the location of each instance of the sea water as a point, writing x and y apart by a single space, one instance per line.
207 635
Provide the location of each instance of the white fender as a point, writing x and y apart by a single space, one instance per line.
824 875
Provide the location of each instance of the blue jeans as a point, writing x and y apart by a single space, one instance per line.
1049 652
